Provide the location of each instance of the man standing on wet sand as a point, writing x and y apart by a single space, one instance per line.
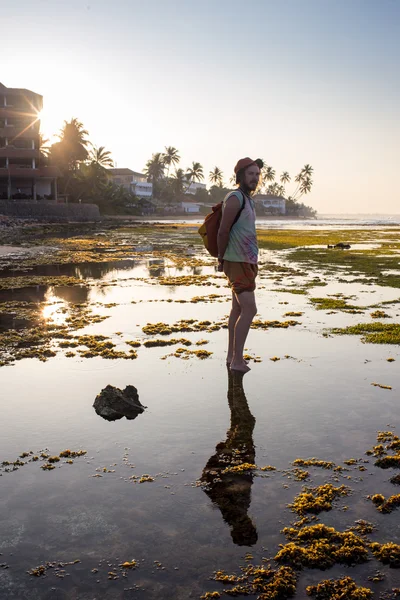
238 257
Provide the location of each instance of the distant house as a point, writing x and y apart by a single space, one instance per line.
133 181
192 189
190 207
142 189
271 204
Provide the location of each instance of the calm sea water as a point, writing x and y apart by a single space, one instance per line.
322 222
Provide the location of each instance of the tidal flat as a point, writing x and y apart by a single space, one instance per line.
280 484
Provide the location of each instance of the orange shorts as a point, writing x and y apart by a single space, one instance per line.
241 276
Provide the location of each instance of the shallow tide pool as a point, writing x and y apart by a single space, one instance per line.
315 401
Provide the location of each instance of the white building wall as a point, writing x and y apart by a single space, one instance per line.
189 207
194 187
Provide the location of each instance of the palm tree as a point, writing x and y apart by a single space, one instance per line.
307 171
268 173
155 168
303 180
102 157
171 157
71 150
216 177
178 181
285 177
194 173
44 150
306 185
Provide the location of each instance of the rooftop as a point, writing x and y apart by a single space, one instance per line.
4 89
125 172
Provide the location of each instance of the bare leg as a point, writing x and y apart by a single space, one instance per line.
233 317
248 310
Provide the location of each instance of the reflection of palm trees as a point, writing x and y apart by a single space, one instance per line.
231 492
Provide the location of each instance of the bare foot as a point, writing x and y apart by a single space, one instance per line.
242 367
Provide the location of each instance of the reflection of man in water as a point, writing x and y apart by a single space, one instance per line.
231 492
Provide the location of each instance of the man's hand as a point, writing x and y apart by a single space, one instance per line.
220 265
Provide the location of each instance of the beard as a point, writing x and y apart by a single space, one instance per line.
249 188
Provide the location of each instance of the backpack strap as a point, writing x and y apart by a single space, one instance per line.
241 208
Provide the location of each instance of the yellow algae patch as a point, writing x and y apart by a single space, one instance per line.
72 453
185 354
259 324
320 547
381 385
209 298
363 527
184 325
240 469
386 505
187 280
373 333
255 359
161 342
259 580
7 283
146 478
339 589
129 564
379 314
318 499
313 462
388 554
53 459
299 474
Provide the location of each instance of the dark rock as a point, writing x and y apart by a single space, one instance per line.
113 403
340 246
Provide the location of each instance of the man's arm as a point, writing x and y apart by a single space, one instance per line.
231 209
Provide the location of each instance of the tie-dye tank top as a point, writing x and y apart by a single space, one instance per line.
242 246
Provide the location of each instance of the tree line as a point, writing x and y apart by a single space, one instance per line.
85 176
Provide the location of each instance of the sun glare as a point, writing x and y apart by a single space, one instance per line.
53 310
49 125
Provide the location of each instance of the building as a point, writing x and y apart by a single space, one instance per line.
22 174
190 207
194 186
271 204
132 181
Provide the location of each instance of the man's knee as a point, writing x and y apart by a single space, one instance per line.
253 311
249 310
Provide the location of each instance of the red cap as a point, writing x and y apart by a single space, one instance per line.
243 163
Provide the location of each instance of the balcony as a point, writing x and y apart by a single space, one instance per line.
24 172
11 152
9 111
11 131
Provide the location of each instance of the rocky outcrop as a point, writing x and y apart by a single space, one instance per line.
113 403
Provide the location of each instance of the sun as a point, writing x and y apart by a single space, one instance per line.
49 125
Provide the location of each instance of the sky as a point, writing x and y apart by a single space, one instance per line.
291 81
